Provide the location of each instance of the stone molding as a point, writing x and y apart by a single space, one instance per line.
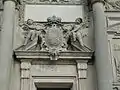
57 2
25 69
16 1
114 37
25 75
45 55
114 29
112 5
82 68
96 1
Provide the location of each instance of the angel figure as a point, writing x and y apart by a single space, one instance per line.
73 34
34 33
76 32
29 27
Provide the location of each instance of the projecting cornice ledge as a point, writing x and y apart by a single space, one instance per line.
95 1
45 55
16 1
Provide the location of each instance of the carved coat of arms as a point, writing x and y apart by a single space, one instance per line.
53 36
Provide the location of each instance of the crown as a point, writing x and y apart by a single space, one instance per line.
54 19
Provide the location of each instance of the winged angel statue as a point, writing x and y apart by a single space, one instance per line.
54 36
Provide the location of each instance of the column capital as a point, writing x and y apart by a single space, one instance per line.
16 1
96 1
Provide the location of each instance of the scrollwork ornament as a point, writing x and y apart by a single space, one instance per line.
59 2
21 12
112 5
118 72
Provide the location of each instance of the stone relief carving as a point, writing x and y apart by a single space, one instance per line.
114 37
73 34
114 28
111 5
54 36
56 1
21 11
48 68
117 61
116 88
117 65
59 62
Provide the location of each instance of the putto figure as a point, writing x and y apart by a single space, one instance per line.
76 32
54 36
31 29
73 34
33 33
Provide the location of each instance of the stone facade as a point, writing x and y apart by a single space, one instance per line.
60 44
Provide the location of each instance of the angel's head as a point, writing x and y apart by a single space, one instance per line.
30 21
78 21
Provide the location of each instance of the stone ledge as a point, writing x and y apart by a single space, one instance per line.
45 55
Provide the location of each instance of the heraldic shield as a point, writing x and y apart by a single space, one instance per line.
54 36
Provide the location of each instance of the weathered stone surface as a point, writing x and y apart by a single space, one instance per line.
57 50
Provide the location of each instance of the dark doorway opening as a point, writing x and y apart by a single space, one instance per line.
53 89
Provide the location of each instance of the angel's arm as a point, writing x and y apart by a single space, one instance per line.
76 28
67 28
24 26
81 26
41 27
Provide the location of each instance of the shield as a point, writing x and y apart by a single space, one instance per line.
54 38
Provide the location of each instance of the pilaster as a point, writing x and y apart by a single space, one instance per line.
6 49
102 61
82 73
25 75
